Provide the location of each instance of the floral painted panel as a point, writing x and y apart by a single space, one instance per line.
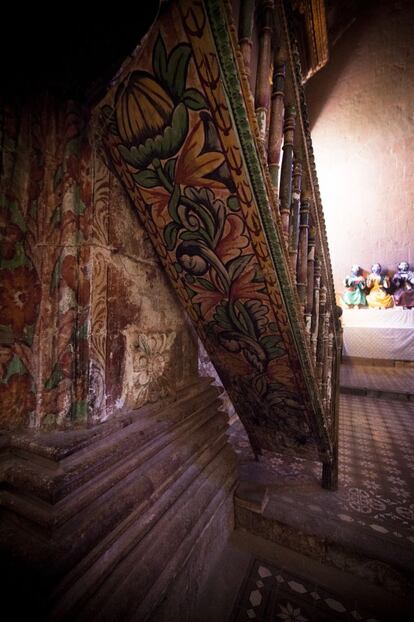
169 135
44 283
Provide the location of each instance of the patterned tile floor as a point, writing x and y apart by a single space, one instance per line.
395 379
272 594
376 469
374 499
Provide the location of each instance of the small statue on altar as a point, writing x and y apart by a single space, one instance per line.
378 284
354 295
403 281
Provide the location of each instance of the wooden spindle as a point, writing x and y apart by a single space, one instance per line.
302 265
276 122
329 374
311 279
325 358
315 309
286 172
264 65
294 216
320 345
245 32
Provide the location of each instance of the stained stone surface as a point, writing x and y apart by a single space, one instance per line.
271 593
370 515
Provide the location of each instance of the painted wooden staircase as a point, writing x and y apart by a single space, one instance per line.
206 127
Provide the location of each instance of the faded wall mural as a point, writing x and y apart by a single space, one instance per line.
83 303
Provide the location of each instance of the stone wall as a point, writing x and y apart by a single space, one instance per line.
116 473
89 324
362 127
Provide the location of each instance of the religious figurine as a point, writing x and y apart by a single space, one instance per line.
378 284
403 281
355 284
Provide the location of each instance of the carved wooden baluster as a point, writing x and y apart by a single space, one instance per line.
264 65
294 216
315 309
245 32
302 266
320 346
276 123
311 279
286 172
325 357
329 372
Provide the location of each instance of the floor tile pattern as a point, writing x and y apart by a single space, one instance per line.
376 471
271 594
395 379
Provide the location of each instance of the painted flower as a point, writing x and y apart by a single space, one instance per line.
242 288
148 123
233 239
10 235
194 164
191 169
289 613
278 370
19 299
150 367
17 400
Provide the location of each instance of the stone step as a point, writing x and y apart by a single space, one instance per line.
338 545
257 579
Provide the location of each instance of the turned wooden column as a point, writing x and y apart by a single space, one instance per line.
245 32
264 65
276 123
327 398
302 265
294 216
320 345
324 356
311 279
286 172
315 309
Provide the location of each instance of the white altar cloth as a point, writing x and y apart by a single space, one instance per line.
379 333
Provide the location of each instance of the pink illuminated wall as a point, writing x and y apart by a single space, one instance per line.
362 114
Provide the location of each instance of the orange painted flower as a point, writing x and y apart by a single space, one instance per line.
19 299
245 288
278 370
242 288
193 166
233 240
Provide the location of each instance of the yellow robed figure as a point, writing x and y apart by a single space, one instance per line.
378 298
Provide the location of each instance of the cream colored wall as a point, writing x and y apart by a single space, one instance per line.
362 113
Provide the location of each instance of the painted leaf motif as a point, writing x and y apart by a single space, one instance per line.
56 274
170 235
206 284
15 366
54 379
177 69
194 100
270 344
159 61
170 169
173 204
147 178
236 266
